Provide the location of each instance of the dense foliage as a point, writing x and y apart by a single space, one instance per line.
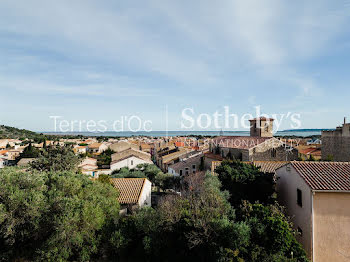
51 213
246 182
201 225
30 152
105 158
152 173
23 134
54 216
56 159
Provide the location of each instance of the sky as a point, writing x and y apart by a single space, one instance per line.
106 60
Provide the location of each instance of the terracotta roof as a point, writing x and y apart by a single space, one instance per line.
213 156
146 146
95 145
310 151
129 189
116 157
175 155
240 142
325 175
3 152
269 166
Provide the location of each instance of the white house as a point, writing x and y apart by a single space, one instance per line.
129 158
133 192
317 198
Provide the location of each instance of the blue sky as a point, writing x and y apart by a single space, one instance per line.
101 59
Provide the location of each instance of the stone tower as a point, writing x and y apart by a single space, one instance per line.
336 143
261 127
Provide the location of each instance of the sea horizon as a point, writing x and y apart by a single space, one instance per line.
162 133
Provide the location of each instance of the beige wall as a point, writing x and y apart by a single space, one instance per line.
146 194
287 184
331 227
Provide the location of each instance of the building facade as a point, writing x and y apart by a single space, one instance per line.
317 196
336 144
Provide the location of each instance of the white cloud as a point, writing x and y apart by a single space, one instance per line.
171 47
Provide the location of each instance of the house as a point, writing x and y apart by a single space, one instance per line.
317 198
129 158
314 142
174 157
162 151
211 159
335 144
186 166
97 147
13 154
310 153
89 167
80 149
133 192
259 146
122 146
146 148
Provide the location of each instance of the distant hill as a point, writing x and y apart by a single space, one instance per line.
16 133
307 130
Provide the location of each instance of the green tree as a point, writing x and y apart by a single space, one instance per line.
52 216
246 182
56 159
272 237
105 158
30 152
201 225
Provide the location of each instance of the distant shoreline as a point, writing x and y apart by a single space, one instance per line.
294 132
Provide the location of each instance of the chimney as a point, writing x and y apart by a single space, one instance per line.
344 120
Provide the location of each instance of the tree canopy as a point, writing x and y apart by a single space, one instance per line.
56 159
52 213
246 182
30 152
54 216
201 225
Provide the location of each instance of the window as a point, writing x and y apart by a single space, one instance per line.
132 162
186 171
299 198
273 152
181 172
193 166
266 127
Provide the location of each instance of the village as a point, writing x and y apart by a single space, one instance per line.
312 175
